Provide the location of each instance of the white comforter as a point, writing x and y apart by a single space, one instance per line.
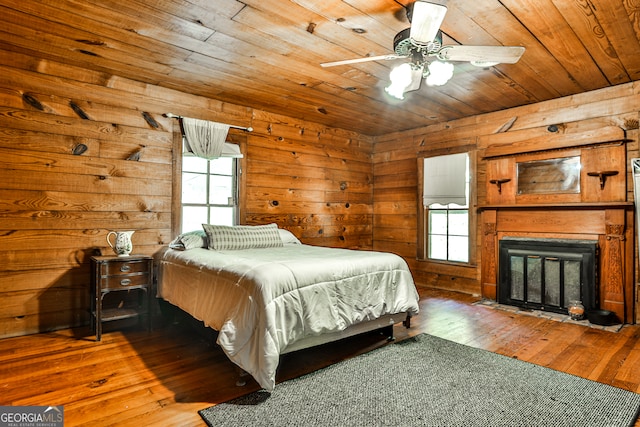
262 300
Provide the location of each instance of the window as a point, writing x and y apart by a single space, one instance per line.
448 235
209 191
446 231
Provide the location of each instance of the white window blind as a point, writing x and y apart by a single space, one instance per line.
231 150
445 179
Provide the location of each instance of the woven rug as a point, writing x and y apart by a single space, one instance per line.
429 381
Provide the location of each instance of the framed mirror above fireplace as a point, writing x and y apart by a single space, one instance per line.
559 175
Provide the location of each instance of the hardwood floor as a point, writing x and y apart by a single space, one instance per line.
136 378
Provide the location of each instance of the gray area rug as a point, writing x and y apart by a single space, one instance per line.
429 381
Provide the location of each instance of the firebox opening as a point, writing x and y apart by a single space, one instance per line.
548 274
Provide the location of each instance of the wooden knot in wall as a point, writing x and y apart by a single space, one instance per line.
602 176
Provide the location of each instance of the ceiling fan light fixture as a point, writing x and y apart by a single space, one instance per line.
400 77
421 44
439 73
404 78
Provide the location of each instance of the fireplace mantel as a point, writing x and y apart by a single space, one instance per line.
570 193
610 224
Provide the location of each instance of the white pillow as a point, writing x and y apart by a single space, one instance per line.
190 240
223 237
288 237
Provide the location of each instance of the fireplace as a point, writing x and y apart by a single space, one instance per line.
548 274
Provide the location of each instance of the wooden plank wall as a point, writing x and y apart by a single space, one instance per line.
316 182
83 153
329 186
396 201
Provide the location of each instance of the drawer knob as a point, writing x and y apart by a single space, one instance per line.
125 268
125 282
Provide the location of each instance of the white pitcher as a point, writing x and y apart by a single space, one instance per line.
123 245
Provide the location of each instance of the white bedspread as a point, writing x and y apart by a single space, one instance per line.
262 300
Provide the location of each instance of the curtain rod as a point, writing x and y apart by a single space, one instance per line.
174 116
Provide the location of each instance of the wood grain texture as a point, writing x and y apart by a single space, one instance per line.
135 378
330 157
601 114
267 54
57 203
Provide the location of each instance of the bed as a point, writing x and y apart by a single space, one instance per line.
267 296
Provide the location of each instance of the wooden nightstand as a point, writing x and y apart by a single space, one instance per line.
120 274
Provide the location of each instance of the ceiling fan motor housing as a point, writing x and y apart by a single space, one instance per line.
402 44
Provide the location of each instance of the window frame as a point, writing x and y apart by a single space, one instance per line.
176 190
423 212
208 174
447 211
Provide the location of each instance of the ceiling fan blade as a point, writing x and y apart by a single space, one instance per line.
368 58
481 54
425 21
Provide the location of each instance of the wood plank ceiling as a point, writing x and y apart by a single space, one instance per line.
266 53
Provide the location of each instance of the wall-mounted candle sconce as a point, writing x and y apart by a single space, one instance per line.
499 183
602 176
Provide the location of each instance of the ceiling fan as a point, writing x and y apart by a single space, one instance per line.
421 43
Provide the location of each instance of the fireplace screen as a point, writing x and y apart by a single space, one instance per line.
547 274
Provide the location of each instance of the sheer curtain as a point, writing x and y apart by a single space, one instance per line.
204 138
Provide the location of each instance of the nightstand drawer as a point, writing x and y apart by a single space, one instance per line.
119 267
124 281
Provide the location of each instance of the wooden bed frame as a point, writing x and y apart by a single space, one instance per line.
384 323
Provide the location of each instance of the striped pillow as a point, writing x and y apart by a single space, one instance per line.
222 237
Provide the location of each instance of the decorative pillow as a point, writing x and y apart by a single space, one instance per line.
222 237
288 237
190 240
